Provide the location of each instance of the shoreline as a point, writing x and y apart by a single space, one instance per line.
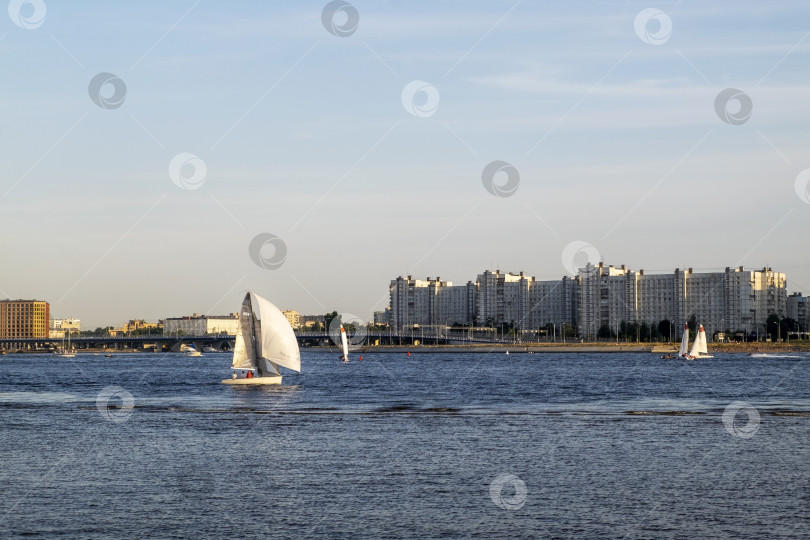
591 347
512 348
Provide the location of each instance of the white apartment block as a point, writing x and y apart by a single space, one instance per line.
429 302
553 302
503 298
735 299
71 323
798 309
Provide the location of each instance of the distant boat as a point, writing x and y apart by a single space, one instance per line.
263 344
209 349
683 351
190 350
344 343
699 347
63 352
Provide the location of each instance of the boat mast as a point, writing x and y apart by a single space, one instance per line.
254 353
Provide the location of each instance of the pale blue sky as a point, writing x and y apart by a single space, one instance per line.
304 135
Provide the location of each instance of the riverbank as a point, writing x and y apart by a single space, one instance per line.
516 348
589 347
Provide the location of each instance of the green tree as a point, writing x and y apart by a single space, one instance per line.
772 325
644 332
569 331
329 317
666 329
632 331
778 327
604 332
655 335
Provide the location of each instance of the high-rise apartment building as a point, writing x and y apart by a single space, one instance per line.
553 302
430 302
601 296
735 299
798 309
503 298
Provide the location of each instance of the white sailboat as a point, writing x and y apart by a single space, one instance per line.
700 347
263 344
683 351
344 344
63 352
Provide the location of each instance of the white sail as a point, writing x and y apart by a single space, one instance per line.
695 346
278 342
703 347
344 344
244 351
684 341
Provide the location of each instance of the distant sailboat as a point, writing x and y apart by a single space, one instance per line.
63 352
263 344
344 344
683 351
699 347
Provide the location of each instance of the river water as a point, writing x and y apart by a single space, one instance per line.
469 445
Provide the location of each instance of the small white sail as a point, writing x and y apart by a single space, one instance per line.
684 341
703 348
278 342
695 351
344 344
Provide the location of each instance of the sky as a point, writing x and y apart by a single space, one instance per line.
159 159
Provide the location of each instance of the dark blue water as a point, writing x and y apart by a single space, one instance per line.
426 446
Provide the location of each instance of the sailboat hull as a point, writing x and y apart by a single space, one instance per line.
272 379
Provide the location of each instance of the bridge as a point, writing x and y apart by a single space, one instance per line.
225 342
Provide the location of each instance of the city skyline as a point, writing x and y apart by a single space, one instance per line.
456 283
161 159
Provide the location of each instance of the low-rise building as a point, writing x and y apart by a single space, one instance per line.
24 319
382 318
293 317
201 325
72 324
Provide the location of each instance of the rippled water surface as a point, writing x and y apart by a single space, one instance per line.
397 446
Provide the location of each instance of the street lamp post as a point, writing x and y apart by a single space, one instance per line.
779 329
